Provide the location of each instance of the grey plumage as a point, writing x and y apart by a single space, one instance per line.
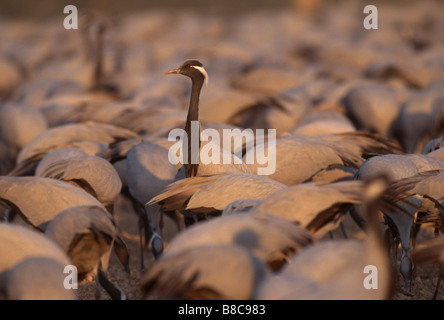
67 136
408 168
21 278
317 206
18 243
37 200
214 192
36 278
148 171
88 234
91 173
212 271
335 269
271 239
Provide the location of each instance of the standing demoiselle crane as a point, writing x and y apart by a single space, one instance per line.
194 69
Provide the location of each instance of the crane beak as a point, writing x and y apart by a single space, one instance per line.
172 71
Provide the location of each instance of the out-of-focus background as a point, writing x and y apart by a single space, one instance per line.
50 8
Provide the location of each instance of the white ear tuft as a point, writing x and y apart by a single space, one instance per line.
203 71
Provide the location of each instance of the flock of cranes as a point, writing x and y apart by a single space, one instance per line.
85 127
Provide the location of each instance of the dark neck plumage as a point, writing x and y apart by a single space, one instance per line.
193 115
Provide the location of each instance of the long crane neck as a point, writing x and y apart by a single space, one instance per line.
193 115
377 255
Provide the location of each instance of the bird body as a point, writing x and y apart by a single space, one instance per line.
438 154
317 206
19 243
64 134
417 120
214 192
20 124
398 166
427 184
36 278
205 272
330 270
271 239
32 266
337 269
91 173
37 200
401 168
70 225
372 107
148 162
320 123
88 234
308 155
148 171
